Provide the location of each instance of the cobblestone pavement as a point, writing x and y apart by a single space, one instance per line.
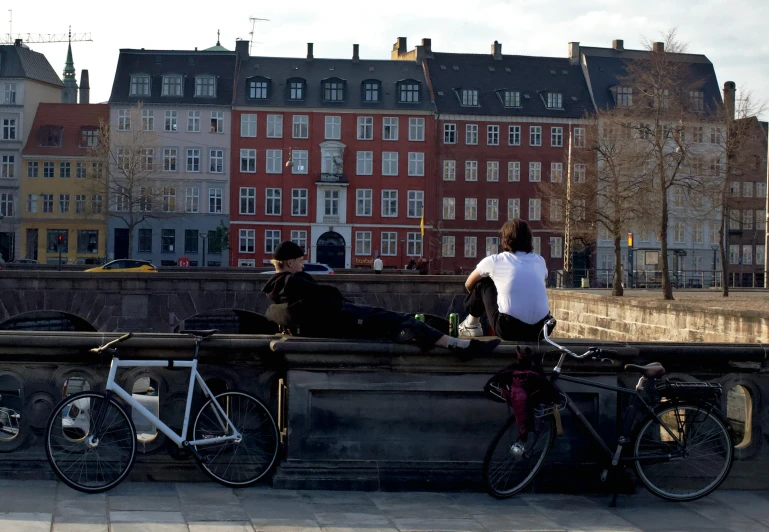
44 506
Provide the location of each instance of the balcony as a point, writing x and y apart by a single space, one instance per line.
336 178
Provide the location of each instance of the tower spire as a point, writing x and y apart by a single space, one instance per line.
69 92
217 38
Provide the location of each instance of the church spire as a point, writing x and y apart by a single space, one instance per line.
69 67
69 92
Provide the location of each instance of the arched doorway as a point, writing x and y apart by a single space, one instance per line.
330 249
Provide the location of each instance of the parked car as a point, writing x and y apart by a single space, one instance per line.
125 265
25 261
313 268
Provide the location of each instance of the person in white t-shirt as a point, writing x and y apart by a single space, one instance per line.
378 264
509 288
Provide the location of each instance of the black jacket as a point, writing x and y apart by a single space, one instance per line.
301 303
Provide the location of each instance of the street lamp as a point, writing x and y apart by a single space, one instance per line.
714 247
403 249
204 236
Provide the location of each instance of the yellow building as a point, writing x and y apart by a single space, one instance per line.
59 195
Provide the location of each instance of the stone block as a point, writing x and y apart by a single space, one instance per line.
134 306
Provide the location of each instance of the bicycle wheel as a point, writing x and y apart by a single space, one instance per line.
81 463
236 464
509 466
686 471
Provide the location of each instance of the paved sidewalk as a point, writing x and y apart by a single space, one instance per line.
44 506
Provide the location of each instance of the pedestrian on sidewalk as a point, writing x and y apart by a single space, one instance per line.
378 265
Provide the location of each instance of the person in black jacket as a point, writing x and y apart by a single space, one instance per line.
302 307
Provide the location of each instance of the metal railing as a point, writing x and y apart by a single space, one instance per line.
652 279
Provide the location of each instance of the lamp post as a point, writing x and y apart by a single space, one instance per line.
403 249
204 236
714 247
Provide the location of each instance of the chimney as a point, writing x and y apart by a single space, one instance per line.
427 46
309 52
241 48
618 44
85 87
730 89
574 53
399 48
18 43
355 53
658 47
496 51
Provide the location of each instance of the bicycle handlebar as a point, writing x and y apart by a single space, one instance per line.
106 346
594 352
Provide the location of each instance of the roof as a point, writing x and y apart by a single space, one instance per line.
21 62
606 66
353 72
189 64
72 117
533 77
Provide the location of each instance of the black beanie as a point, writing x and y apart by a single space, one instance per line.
287 250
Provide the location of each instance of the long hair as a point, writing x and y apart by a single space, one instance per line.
516 236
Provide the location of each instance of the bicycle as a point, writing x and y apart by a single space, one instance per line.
682 448
90 439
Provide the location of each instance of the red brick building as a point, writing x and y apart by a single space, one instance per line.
334 154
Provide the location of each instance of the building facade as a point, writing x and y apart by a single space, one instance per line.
26 80
174 108
61 194
334 154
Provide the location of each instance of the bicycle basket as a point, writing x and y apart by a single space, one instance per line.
689 390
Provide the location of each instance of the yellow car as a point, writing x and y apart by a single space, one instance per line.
126 265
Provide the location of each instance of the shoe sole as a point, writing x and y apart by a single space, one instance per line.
470 334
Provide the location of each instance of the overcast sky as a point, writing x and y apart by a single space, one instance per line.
732 34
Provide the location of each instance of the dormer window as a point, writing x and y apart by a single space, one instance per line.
554 100
511 98
697 100
409 91
89 137
172 85
50 136
140 85
372 91
296 89
258 88
468 97
333 90
623 96
205 86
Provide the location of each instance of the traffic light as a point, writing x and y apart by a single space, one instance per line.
630 240
60 239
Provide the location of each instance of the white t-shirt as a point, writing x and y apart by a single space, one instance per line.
520 281
378 264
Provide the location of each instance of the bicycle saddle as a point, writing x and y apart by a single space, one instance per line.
653 370
201 334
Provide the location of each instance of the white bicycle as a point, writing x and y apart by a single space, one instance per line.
90 439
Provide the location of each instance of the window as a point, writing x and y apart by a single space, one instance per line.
556 172
52 244
274 127
556 137
492 171
333 127
579 137
31 204
734 254
146 159
554 100
747 254
492 245
698 134
167 240
471 246
449 170
580 210
96 204
390 163
661 98
7 166
272 202
697 100
471 209
536 243
247 200
271 240
169 199
333 91
371 91
32 168
514 135
678 197
216 161
471 170
390 128
296 90
624 96
145 203
215 200
534 209
205 86
299 160
556 212
747 219
65 170
169 159
513 208
140 85
580 171
514 171
247 125
6 204
390 203
760 254
364 163
170 122
698 233
734 219
257 89
678 232
247 240
363 202
469 97
145 240
148 119
492 209
449 208
535 136
363 243
80 170
9 93
747 189
274 159
299 238
89 137
50 136
416 200
760 190
331 202
124 120
172 85
48 168
556 247
9 129
535 172
63 203
190 240
299 202
217 122
416 163
715 135
449 133
301 127
448 246
417 129
47 201
414 244
248 161
389 243
471 134
492 135
409 92
512 99
80 200
365 128
193 159
734 188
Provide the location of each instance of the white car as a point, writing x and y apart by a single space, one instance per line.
313 268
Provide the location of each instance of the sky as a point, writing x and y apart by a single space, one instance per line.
731 33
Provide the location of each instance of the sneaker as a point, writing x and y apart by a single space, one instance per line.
467 329
475 349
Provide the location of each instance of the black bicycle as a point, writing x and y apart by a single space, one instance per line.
682 447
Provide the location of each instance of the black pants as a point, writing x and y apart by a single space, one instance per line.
483 299
362 321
